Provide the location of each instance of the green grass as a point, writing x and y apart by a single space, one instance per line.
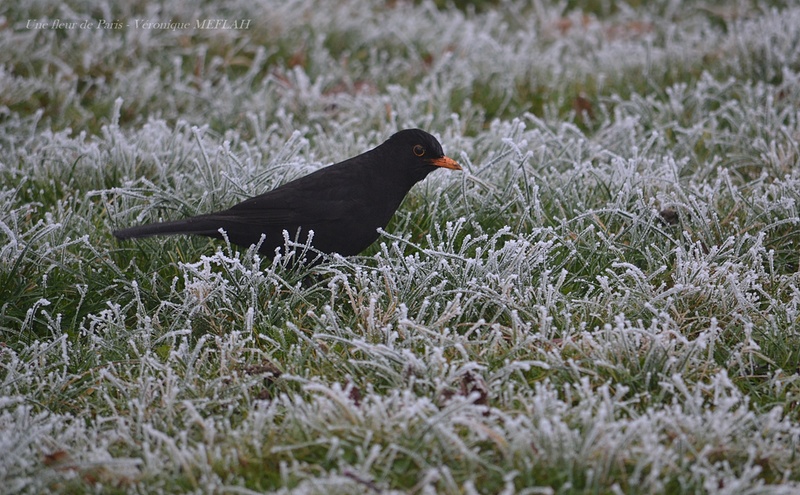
604 301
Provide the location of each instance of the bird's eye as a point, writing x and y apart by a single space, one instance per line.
419 150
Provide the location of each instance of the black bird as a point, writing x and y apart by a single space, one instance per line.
343 204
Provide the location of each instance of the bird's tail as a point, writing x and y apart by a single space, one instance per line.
207 225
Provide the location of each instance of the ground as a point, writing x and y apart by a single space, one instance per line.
605 300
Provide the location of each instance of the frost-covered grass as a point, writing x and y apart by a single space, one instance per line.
606 299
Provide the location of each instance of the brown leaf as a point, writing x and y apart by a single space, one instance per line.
56 457
669 216
474 383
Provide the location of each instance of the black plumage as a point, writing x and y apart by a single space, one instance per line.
343 204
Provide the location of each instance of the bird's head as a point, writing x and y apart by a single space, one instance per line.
419 152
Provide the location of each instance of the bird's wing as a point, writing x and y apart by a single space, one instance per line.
325 195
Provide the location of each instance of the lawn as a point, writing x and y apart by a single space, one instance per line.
605 300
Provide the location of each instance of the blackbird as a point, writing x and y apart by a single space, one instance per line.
343 204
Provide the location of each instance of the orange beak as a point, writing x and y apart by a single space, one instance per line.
445 162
